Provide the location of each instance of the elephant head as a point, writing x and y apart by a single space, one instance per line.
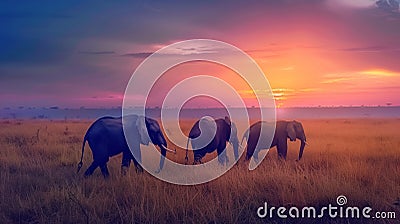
295 131
149 130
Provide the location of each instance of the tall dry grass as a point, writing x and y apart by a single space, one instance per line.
39 184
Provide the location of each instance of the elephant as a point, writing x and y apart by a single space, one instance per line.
106 139
283 130
222 135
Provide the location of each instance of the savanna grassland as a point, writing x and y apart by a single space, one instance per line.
358 158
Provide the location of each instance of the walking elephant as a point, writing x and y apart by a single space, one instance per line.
283 131
106 139
223 134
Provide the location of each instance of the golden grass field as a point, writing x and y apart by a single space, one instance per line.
357 158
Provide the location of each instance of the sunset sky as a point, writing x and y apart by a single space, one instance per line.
315 52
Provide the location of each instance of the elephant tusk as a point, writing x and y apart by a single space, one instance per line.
306 143
169 150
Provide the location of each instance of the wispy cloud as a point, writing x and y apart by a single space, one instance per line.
196 49
282 93
287 68
360 75
379 73
97 52
179 51
309 90
279 94
138 54
370 49
246 93
337 78
351 4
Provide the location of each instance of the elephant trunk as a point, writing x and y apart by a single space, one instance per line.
302 145
164 151
235 145
162 158
162 143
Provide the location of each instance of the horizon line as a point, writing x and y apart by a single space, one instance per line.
191 108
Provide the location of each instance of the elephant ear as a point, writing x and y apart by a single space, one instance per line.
290 131
233 132
229 123
142 130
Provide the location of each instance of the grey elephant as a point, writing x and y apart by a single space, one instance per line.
106 139
283 130
217 142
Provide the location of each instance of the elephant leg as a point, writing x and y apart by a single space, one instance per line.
137 157
126 162
126 159
222 157
251 146
255 155
91 169
282 149
124 170
197 160
104 170
198 155
221 153
138 167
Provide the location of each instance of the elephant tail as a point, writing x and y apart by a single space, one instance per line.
187 147
83 149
